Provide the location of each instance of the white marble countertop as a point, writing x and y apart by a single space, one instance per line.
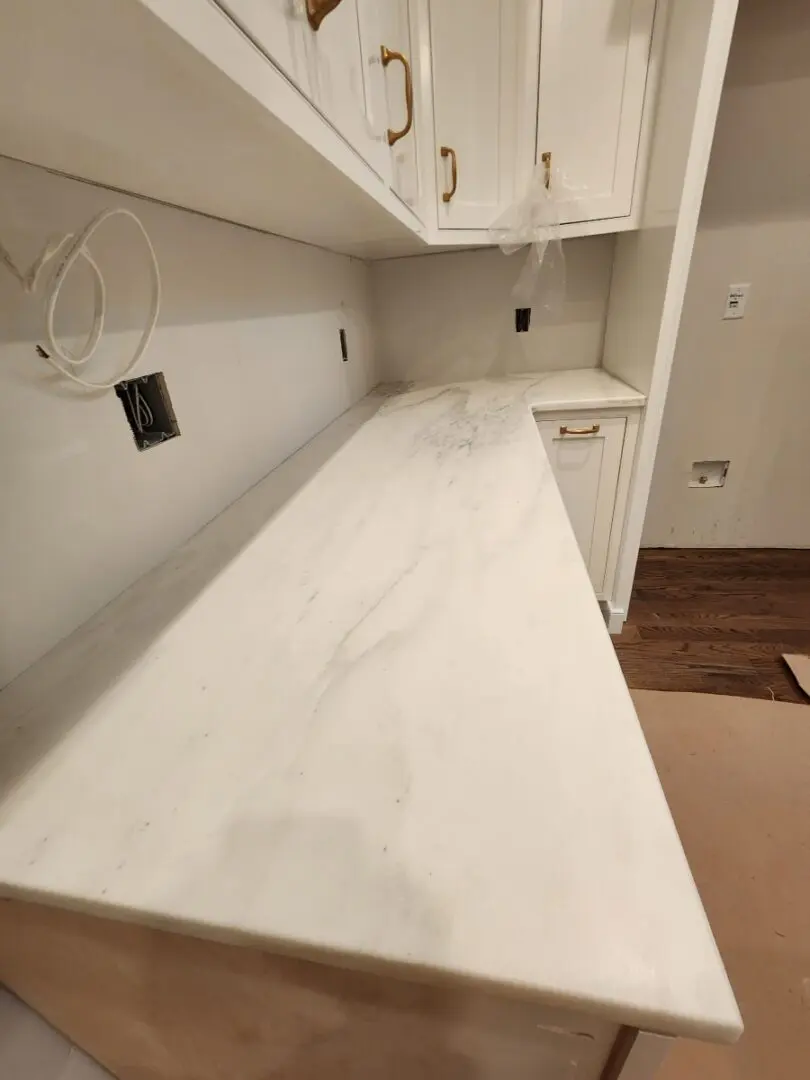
393 728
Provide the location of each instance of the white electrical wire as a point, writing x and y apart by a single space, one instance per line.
73 247
141 413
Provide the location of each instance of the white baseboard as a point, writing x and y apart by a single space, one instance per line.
614 617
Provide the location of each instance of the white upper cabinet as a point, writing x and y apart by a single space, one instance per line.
372 126
279 28
484 82
327 61
339 64
397 90
513 80
594 56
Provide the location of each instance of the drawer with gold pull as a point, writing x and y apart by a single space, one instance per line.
585 453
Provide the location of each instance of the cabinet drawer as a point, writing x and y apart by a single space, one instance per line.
586 457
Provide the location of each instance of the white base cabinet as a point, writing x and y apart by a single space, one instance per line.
591 455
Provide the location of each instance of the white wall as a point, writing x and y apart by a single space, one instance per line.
248 341
30 1049
741 390
651 267
451 316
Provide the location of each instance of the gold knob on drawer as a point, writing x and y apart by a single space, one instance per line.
592 430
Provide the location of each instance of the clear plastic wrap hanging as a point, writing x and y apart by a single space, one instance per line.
534 220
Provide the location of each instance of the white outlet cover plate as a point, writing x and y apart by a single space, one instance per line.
736 300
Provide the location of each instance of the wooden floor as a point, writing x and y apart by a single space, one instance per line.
717 621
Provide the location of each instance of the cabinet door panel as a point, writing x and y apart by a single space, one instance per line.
482 75
393 18
336 70
594 56
280 29
586 468
328 65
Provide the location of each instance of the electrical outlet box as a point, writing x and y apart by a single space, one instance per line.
736 299
708 474
523 317
148 409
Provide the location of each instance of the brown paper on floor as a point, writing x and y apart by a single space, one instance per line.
800 666
736 774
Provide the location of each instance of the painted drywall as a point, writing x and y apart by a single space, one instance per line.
248 341
452 315
651 268
740 389
30 1049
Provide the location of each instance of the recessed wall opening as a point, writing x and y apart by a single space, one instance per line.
148 409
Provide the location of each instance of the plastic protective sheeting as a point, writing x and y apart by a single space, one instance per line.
534 222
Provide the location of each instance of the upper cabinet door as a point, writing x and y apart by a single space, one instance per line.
484 66
398 97
594 56
345 64
279 28
328 65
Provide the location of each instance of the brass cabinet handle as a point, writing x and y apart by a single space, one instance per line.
546 159
448 151
387 56
317 10
592 430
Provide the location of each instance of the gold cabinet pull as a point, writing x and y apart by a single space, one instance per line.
546 159
387 56
592 430
448 151
317 10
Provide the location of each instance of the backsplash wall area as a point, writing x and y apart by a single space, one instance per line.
451 316
248 340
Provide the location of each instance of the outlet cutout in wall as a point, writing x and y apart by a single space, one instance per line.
523 317
708 474
148 409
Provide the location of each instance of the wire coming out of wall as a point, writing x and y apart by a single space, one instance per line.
70 248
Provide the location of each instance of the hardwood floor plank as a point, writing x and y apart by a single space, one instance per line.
727 630
721 620
717 620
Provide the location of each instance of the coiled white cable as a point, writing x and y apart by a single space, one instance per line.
73 247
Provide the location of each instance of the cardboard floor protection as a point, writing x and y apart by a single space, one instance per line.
736 773
800 667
